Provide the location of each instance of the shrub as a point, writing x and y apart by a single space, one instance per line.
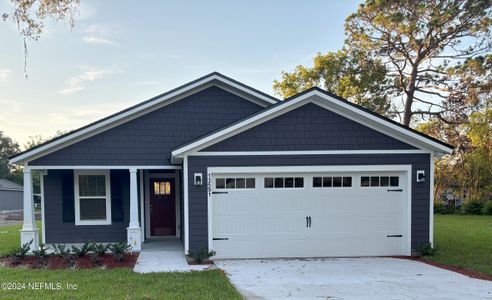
19 253
473 207
41 255
99 249
487 208
201 255
427 249
83 250
118 250
65 253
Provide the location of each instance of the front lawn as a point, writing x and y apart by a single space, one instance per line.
115 284
10 237
464 242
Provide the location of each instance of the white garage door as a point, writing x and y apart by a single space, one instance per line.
308 214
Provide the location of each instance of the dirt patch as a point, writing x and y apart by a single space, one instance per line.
86 262
466 272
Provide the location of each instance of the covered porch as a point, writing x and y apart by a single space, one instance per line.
105 204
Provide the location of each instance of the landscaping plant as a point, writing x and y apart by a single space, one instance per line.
83 250
427 249
201 255
65 253
118 250
99 249
487 208
41 254
18 254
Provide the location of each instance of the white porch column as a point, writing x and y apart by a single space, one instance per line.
29 232
133 231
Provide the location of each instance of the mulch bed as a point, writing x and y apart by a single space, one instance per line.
193 262
55 262
469 273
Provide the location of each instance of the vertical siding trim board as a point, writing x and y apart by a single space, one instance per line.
186 206
197 196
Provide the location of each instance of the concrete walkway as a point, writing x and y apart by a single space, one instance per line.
164 256
350 278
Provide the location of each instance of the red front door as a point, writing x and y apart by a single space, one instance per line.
162 207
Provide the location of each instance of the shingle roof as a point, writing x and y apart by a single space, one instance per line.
9 185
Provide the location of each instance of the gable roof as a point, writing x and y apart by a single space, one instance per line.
7 185
142 108
326 100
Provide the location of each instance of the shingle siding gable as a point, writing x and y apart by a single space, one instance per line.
309 127
148 139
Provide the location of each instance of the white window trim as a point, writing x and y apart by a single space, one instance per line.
79 222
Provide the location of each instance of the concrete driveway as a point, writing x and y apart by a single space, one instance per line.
351 278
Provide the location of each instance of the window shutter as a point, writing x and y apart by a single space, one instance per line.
68 203
120 180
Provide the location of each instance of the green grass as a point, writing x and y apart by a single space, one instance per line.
464 242
119 284
108 284
10 237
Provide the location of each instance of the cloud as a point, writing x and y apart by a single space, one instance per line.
99 41
98 34
77 83
4 73
9 106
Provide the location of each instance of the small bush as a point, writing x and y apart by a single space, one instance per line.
99 249
487 208
83 250
427 249
65 253
201 255
41 255
473 207
118 250
19 253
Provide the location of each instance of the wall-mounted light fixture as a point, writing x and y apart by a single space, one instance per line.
420 176
198 179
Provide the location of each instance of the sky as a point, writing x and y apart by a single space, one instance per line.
123 52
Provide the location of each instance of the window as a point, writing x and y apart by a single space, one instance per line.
92 197
284 182
329 181
379 181
162 188
235 183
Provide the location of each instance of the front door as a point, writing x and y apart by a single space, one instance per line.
162 207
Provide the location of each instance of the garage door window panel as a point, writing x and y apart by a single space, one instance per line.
283 182
329 181
235 183
379 181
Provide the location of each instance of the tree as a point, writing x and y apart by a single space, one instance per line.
8 147
30 17
420 42
347 74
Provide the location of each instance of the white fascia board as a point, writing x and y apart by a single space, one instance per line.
327 102
134 113
307 152
168 167
309 169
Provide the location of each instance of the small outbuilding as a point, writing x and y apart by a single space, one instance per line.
10 195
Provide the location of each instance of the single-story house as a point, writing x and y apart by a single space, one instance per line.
10 195
217 164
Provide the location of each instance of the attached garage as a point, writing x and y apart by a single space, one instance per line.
310 212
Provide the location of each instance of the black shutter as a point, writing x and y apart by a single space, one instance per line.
68 204
119 180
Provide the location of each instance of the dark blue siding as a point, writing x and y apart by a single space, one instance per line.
198 229
147 140
59 230
309 127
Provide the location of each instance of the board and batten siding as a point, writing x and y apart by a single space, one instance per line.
198 218
60 214
309 127
147 140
